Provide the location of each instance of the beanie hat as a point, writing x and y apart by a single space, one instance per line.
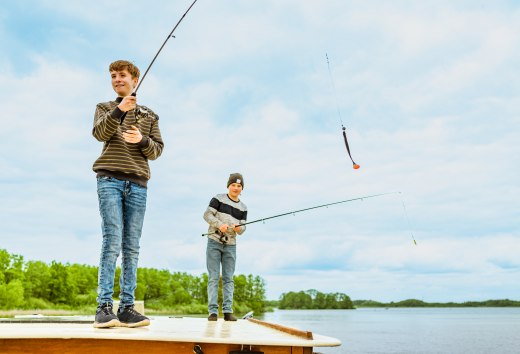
235 178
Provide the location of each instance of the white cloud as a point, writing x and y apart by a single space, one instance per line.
425 92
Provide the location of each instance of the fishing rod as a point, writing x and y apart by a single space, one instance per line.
224 238
170 35
354 165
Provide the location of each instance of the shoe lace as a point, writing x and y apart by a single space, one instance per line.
107 309
132 310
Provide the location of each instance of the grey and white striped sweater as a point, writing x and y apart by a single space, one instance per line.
223 210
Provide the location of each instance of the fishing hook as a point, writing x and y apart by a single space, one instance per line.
407 220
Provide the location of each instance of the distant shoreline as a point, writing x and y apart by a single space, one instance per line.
410 303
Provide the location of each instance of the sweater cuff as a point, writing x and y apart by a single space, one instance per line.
144 142
118 114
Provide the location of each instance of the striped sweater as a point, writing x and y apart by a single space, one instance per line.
120 159
223 210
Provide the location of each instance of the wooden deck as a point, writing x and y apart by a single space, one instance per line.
164 335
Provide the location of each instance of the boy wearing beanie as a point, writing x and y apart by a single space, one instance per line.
224 215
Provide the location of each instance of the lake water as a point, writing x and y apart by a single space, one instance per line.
410 330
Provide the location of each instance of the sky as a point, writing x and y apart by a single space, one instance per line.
429 92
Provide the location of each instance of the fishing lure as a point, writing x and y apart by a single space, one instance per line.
354 165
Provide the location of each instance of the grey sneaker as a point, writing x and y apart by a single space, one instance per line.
129 317
105 317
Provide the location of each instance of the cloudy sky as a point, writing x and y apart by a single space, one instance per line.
429 92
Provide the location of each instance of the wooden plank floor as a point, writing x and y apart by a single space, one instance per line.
164 335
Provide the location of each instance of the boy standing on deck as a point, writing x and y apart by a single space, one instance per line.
224 213
131 136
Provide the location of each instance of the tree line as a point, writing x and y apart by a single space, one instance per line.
420 303
38 285
313 299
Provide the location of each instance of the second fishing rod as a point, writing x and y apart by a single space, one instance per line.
224 238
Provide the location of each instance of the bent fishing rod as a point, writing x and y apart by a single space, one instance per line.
170 35
224 238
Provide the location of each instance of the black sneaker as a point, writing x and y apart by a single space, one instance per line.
229 317
105 317
129 317
212 317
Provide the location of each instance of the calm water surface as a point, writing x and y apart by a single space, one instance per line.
430 330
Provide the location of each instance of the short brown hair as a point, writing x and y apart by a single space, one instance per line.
120 65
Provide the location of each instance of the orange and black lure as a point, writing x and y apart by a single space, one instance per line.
354 165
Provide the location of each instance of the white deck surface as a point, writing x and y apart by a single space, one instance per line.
182 329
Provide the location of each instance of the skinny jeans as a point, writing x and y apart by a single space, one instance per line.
217 255
122 205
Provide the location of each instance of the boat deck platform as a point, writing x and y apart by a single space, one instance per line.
164 335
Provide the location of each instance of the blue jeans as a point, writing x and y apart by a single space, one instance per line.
217 254
122 205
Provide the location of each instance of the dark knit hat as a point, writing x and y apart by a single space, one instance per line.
235 178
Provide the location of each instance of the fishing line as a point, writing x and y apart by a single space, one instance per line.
407 220
301 210
354 165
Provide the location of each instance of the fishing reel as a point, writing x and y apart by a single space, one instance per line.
222 236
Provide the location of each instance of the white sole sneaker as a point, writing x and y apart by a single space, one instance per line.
109 324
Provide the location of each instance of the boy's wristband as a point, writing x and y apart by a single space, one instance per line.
118 114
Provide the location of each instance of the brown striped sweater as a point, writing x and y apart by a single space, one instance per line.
119 159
